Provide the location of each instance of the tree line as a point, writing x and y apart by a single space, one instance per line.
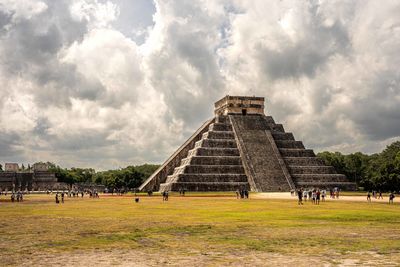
380 171
129 177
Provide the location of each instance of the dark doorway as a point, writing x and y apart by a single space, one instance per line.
244 112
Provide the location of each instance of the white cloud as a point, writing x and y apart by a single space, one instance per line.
87 87
22 9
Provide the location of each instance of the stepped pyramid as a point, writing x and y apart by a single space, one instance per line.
241 148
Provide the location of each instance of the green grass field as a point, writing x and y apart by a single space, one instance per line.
215 229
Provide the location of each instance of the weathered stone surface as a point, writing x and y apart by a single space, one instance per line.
241 148
261 162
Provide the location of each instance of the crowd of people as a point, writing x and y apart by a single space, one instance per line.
378 195
315 195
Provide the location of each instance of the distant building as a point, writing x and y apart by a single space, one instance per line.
41 167
11 167
38 179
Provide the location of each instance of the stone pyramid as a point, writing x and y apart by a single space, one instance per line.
241 148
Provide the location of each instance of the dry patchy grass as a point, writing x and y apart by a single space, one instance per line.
204 229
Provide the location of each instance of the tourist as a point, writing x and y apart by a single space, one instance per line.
305 194
62 197
369 196
246 193
391 197
323 194
300 196
12 197
314 196
165 196
337 192
57 201
318 194
380 195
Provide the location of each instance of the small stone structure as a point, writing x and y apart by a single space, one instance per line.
241 148
37 179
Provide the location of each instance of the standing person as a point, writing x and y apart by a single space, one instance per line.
305 194
391 197
62 197
164 195
369 196
57 201
323 194
300 196
314 196
237 194
318 197
380 195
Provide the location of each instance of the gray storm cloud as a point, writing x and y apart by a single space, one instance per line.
110 83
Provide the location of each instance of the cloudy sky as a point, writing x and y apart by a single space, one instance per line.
105 84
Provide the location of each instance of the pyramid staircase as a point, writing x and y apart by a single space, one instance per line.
241 148
214 164
305 168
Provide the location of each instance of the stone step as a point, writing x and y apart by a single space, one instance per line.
219 135
276 127
303 161
296 152
220 169
282 136
311 170
222 119
220 127
316 178
206 169
209 186
222 143
213 151
327 185
216 160
269 119
211 177
289 144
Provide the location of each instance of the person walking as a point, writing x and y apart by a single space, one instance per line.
300 196
391 198
369 196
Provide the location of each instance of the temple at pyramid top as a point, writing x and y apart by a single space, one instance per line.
239 105
235 151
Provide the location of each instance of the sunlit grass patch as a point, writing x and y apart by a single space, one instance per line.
190 225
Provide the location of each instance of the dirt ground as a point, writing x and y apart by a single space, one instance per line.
235 258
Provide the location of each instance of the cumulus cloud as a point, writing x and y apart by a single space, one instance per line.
117 82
